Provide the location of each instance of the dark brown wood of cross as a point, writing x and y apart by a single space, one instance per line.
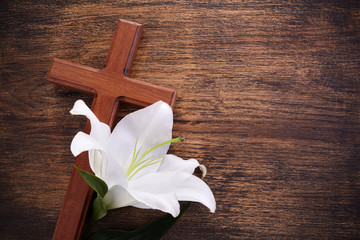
109 86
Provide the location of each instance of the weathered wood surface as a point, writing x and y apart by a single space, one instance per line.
268 99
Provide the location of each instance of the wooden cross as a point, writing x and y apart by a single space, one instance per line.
109 86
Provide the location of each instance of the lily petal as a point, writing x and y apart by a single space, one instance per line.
187 187
117 197
175 163
114 174
166 202
99 130
196 190
147 127
83 142
96 161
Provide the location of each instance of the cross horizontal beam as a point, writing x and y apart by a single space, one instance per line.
94 81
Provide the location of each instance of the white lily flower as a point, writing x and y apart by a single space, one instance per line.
132 160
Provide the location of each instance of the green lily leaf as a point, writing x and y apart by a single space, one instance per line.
100 187
152 231
99 211
94 182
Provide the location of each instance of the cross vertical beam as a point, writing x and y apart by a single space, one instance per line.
108 86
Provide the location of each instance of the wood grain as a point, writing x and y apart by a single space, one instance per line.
268 100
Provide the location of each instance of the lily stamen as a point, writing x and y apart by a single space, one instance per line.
138 164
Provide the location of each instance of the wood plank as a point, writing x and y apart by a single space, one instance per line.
268 101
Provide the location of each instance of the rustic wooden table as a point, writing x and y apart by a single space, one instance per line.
268 99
